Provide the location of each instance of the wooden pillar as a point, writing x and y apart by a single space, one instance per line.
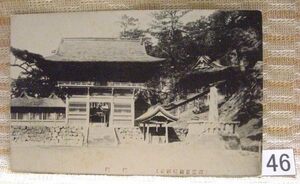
56 116
87 120
112 91
144 131
112 109
67 110
148 135
132 111
167 133
233 129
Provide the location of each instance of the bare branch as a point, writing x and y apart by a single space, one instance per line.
20 66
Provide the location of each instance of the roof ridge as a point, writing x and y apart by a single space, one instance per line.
99 38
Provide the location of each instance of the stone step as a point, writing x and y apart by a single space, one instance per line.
102 135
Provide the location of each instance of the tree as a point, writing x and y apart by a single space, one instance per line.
167 28
231 37
32 79
129 26
225 34
34 83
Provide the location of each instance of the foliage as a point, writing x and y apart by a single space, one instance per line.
233 38
168 29
34 83
225 32
130 28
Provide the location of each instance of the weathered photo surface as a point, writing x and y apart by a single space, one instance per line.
164 92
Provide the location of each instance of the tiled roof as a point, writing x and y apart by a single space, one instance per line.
27 101
101 50
189 98
157 111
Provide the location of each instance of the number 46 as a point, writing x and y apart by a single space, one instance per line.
283 162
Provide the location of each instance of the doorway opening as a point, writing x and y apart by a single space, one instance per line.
100 113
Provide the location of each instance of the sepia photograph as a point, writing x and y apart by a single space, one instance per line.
139 92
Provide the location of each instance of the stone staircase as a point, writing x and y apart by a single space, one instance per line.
199 131
127 135
101 136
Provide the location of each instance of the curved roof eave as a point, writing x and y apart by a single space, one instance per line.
153 113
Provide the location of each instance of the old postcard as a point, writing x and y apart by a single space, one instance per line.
164 92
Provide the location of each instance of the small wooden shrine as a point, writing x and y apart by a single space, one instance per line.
156 117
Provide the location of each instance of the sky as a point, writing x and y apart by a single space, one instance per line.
42 33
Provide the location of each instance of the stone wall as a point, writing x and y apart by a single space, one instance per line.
48 134
135 134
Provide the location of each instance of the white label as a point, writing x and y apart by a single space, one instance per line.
279 162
